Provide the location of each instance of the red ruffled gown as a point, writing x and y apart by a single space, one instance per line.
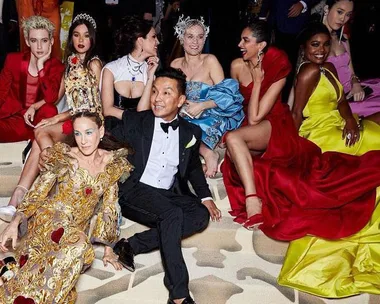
303 192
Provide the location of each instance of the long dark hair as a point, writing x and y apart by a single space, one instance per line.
92 51
132 28
319 16
108 142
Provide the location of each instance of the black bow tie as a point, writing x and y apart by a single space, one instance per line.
165 125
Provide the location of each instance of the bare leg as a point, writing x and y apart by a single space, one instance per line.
211 158
239 144
45 137
28 175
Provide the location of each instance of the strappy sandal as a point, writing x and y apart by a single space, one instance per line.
254 222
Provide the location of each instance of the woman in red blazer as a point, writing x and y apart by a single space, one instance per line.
29 83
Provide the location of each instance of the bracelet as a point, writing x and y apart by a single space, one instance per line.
353 76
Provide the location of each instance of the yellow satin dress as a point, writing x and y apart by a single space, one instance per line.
351 265
323 124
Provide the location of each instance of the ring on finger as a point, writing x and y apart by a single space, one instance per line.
348 136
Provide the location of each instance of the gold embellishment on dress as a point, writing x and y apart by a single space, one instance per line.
88 190
56 248
82 89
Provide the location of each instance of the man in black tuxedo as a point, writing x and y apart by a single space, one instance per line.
156 194
8 29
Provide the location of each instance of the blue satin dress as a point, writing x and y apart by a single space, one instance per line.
228 115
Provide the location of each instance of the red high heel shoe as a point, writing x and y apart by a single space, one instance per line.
254 222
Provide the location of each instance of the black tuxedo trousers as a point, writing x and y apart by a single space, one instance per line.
171 217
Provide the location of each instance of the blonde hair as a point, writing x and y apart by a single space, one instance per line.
184 23
37 23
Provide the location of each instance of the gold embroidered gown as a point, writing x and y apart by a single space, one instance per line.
55 247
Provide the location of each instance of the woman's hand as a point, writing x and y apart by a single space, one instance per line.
110 257
11 232
44 154
351 132
256 71
194 108
29 116
47 122
356 92
152 62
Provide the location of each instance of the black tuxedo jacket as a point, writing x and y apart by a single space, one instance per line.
278 15
9 12
136 129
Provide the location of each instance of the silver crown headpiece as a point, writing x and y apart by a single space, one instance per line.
87 17
184 23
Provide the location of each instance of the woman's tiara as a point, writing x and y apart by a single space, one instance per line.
184 23
87 17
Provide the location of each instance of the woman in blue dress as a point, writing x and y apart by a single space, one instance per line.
213 102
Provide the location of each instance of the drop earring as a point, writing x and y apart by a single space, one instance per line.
341 34
259 58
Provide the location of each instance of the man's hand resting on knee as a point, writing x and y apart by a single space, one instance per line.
215 213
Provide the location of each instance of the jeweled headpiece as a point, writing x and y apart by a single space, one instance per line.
184 23
87 17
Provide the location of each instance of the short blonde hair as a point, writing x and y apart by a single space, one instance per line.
37 23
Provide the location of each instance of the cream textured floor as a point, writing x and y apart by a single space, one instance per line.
227 264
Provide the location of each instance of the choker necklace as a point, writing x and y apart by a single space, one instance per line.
134 67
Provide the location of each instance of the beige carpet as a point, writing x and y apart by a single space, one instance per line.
227 264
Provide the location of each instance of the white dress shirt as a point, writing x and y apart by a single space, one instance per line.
163 159
304 7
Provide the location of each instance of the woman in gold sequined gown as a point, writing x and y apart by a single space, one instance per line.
351 265
54 218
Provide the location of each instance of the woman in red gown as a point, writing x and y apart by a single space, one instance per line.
277 180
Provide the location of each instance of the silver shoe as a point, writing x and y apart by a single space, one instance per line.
7 213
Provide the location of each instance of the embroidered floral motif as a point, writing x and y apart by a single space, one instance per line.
193 90
88 190
74 60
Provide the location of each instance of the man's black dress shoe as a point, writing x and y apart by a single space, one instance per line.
188 300
125 252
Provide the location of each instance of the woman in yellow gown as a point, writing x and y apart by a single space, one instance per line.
351 265
54 218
